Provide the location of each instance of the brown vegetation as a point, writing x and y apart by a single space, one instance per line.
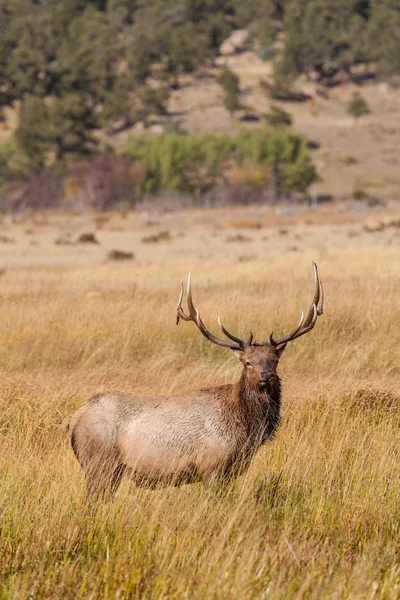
238 238
161 236
87 238
120 255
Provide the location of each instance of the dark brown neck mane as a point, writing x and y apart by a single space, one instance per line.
259 408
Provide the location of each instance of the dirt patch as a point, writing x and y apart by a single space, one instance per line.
87 238
238 238
245 224
63 241
246 258
120 255
161 236
374 227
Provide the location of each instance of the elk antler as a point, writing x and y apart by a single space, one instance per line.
194 316
313 313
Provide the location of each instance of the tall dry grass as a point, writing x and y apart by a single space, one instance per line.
317 515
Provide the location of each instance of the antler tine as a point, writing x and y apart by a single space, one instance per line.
179 310
194 316
316 309
190 304
306 329
320 310
316 297
299 326
233 337
179 307
212 338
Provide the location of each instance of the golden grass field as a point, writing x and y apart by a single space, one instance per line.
317 515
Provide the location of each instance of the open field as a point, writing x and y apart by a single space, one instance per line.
317 515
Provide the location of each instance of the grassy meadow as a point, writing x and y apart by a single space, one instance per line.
318 513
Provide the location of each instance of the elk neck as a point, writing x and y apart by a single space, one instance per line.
259 407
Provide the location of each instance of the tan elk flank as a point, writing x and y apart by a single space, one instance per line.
196 436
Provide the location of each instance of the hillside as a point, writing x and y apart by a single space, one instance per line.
350 157
78 80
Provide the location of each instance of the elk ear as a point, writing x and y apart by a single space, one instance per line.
238 353
280 350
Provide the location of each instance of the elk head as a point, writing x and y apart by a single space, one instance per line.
259 359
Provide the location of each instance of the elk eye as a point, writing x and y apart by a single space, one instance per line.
248 364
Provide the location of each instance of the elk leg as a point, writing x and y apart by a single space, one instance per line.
103 478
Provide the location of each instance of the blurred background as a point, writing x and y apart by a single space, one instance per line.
114 103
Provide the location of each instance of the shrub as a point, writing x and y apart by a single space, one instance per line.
37 190
103 181
154 101
358 106
241 167
196 164
229 81
231 103
230 84
280 86
278 117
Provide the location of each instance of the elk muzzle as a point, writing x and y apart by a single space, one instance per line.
267 380
266 376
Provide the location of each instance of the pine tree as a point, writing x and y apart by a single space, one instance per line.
87 58
231 103
73 122
325 36
383 35
33 134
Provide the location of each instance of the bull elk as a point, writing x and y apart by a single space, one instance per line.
196 436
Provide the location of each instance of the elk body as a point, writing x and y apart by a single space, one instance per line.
199 435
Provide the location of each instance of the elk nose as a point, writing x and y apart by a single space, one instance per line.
265 376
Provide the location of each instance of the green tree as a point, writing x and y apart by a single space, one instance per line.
195 164
384 35
33 134
300 173
185 47
230 84
325 36
212 20
121 12
30 48
73 122
139 57
358 106
118 103
154 101
87 57
231 103
229 81
265 19
280 86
